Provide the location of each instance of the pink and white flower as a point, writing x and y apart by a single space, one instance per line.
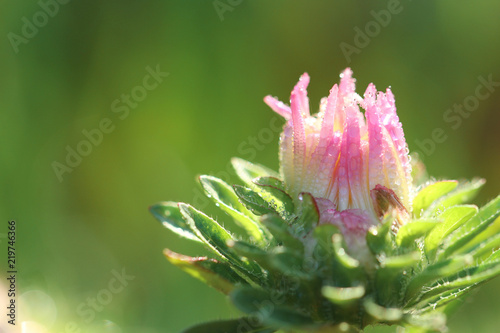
345 159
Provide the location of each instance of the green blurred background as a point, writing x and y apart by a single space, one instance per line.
72 234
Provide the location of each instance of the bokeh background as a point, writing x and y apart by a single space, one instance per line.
222 57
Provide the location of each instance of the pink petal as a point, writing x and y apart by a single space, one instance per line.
279 107
300 108
393 125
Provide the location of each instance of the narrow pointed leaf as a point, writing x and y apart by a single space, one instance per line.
462 194
169 215
343 296
224 195
308 216
409 232
474 226
288 263
281 232
426 323
212 272
451 218
345 259
248 171
239 325
436 272
390 276
430 193
215 236
324 251
482 274
382 313
252 200
277 199
433 303
400 262
485 248
252 301
379 239
270 181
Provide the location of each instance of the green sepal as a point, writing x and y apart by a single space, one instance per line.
484 249
169 215
288 263
380 313
224 196
452 218
408 233
210 271
281 232
470 229
252 200
343 296
276 197
426 322
341 254
308 216
248 171
435 272
462 194
390 277
470 277
267 305
430 193
433 303
216 238
324 253
270 181
380 239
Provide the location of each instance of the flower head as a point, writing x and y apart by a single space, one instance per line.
343 156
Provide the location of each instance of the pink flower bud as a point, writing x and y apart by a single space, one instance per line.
341 154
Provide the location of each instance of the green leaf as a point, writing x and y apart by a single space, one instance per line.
390 276
426 323
247 250
289 263
229 326
485 248
451 218
215 237
433 303
248 171
438 271
270 181
281 232
382 313
379 239
251 301
343 296
324 253
345 259
487 235
494 256
224 196
481 274
212 272
252 200
409 232
462 194
398 263
169 215
430 193
308 216
474 226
